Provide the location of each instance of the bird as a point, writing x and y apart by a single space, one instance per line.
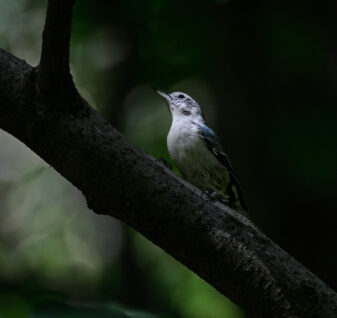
198 154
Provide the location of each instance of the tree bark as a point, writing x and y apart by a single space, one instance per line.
118 179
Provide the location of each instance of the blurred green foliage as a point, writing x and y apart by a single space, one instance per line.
266 76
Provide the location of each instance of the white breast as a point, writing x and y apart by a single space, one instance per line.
191 155
186 148
182 141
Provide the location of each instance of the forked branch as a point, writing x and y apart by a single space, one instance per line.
120 180
54 72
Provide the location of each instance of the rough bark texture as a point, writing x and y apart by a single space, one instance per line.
120 180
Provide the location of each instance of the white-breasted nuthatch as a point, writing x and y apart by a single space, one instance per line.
197 152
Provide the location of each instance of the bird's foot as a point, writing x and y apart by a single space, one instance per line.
213 196
163 161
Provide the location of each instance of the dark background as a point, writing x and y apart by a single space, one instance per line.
265 74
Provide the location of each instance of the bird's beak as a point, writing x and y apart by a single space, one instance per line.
165 95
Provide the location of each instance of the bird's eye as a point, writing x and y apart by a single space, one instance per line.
186 112
181 96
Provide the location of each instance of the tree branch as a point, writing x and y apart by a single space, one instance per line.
54 72
120 180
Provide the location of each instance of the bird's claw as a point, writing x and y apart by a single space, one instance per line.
163 161
213 196
209 195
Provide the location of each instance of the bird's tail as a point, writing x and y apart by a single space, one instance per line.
238 203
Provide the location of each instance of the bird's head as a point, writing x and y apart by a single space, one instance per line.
182 106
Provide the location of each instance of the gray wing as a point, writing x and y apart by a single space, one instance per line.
213 143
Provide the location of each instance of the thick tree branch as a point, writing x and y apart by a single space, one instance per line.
118 179
54 73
